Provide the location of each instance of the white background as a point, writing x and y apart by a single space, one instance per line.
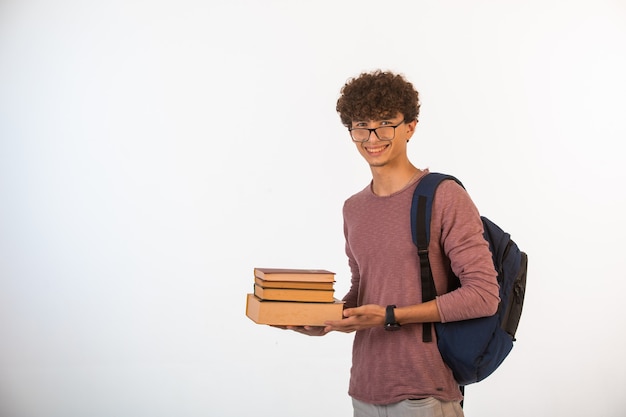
152 153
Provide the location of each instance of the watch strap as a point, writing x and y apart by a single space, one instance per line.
390 318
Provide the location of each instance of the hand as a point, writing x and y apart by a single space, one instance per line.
359 318
307 330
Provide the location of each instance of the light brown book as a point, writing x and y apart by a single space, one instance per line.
292 313
283 274
294 294
294 284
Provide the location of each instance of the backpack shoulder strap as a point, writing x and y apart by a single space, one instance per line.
425 190
421 213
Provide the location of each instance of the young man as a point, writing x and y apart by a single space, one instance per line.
394 373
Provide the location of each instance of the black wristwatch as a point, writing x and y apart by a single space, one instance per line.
390 319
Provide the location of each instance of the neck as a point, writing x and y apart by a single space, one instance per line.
389 181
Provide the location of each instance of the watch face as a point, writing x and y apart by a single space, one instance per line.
392 326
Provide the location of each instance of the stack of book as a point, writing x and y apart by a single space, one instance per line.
293 297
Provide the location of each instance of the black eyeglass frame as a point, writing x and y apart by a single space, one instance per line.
350 129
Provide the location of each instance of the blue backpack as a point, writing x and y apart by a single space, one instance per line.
474 348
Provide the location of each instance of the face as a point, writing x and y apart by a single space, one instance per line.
383 152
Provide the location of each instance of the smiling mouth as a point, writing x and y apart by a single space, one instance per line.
376 150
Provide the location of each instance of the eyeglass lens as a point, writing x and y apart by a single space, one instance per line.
383 133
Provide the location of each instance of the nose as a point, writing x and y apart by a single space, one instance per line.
373 135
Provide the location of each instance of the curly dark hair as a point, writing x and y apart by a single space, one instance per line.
377 95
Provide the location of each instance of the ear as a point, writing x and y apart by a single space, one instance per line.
410 129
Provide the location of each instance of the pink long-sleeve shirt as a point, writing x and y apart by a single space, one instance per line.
388 367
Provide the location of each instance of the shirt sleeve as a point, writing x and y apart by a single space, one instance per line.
459 233
351 298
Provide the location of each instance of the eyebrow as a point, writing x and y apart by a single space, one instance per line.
384 119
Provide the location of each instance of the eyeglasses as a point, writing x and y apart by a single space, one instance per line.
362 134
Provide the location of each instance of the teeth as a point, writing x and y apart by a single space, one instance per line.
377 149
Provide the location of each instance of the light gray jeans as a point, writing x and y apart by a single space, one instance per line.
428 407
